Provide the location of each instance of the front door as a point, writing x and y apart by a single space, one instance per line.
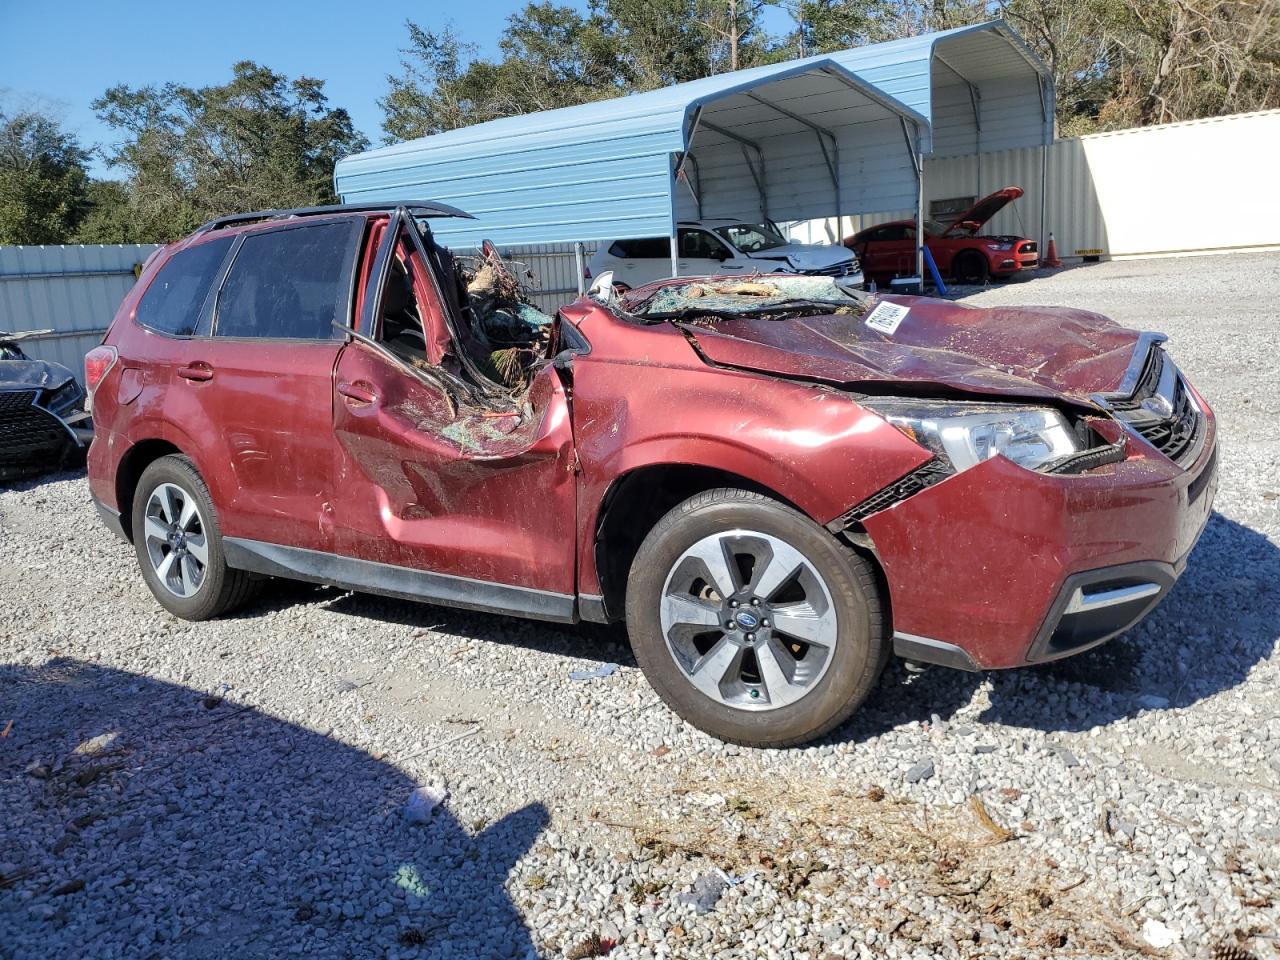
702 255
433 478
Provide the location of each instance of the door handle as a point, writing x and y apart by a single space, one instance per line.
359 392
198 371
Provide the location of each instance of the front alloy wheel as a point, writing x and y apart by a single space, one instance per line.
752 622
749 620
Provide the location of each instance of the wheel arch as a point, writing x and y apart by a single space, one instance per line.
136 459
633 504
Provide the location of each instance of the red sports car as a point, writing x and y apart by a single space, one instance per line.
888 250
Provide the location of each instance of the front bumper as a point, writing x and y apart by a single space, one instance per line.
1000 567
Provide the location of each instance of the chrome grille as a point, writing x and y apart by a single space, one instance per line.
25 429
1161 409
838 270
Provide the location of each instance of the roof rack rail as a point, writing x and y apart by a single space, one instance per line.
421 208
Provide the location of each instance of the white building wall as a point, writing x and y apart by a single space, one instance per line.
71 289
1181 188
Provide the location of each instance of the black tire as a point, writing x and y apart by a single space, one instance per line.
971 267
221 588
859 652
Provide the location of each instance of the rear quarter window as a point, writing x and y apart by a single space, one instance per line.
291 284
172 303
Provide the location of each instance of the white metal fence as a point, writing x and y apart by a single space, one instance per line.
555 271
72 290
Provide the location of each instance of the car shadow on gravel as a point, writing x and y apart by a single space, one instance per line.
1215 626
143 818
579 641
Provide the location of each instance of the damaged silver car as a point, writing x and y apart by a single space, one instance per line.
43 423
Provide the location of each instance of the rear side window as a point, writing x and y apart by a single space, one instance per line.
172 303
289 284
649 248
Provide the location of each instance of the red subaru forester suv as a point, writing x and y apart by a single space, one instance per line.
776 482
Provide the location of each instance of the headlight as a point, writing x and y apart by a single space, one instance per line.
63 397
968 433
999 246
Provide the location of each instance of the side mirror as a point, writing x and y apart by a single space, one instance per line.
721 254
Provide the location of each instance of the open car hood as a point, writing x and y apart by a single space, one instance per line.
938 348
973 219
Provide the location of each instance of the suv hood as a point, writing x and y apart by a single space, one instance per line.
938 347
32 375
805 256
973 219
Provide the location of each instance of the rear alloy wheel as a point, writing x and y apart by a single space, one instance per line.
752 622
179 548
971 268
174 539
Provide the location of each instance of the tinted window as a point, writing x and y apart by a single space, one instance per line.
700 245
172 303
288 284
647 248
893 232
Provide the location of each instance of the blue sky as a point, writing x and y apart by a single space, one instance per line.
68 53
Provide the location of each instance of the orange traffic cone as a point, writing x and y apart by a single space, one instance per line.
1051 256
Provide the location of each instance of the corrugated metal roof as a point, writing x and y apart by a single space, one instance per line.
73 290
931 74
603 170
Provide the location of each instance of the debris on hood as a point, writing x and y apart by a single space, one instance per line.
514 332
773 297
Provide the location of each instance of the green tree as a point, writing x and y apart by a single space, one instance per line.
556 56
553 56
259 141
43 182
111 217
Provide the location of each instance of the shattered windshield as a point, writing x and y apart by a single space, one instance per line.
763 296
752 237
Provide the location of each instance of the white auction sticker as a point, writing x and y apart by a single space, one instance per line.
886 317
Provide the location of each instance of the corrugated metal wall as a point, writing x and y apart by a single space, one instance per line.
73 290
1178 188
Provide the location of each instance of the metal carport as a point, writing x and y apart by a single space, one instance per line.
837 134
980 88
790 141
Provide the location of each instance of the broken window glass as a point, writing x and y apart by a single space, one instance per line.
760 296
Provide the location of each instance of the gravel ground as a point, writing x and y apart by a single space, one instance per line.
238 788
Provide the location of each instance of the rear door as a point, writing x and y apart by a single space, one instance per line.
434 477
641 261
262 382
